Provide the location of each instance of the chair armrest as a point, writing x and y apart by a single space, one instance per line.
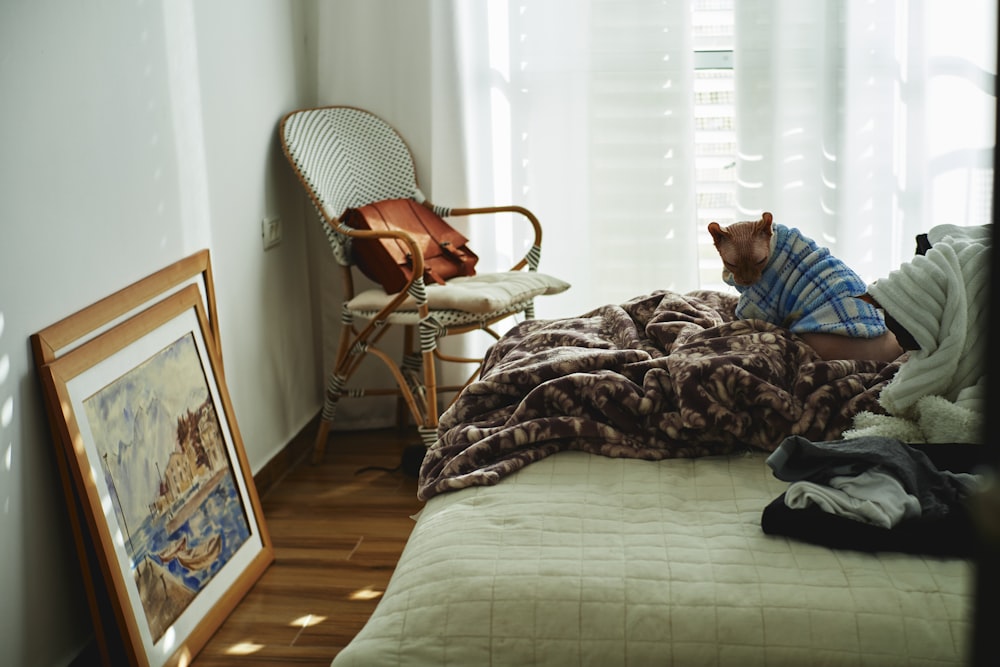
405 237
415 252
531 258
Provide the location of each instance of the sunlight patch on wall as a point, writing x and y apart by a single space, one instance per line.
186 111
6 417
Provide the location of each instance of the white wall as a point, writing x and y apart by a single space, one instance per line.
132 134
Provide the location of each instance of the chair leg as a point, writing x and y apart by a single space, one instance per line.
334 390
319 445
422 401
428 344
413 373
409 366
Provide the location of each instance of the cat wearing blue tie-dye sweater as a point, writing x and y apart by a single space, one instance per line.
785 278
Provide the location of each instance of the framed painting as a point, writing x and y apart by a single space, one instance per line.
154 454
61 337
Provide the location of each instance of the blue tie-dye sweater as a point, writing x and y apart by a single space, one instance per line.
806 289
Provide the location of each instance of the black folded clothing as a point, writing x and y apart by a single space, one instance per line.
950 535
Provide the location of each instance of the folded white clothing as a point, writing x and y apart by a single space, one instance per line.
872 497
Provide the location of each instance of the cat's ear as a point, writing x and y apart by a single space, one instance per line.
717 232
763 226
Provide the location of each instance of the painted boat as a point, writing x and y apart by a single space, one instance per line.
202 555
173 550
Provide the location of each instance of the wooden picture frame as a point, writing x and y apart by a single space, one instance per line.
76 337
195 269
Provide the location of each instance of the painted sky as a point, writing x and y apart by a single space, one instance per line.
133 420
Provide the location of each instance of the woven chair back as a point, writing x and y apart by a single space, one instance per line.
347 158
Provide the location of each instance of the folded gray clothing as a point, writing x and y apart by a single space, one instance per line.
873 497
797 458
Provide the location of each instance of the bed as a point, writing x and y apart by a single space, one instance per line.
596 498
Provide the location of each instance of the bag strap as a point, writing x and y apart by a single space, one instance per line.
464 259
448 239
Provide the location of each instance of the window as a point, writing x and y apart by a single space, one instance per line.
715 132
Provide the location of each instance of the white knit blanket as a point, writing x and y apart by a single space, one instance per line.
942 299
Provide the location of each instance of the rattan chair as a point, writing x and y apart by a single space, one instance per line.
345 158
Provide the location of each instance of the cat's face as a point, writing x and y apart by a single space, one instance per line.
744 248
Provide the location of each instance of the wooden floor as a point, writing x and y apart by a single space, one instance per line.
337 535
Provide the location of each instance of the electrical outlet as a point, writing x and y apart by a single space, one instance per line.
271 232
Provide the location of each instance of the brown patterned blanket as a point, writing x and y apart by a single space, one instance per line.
663 376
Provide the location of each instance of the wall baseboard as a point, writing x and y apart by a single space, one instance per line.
287 458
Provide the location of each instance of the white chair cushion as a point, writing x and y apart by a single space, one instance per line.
485 293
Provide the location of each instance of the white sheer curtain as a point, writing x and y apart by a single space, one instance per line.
866 123
862 123
581 111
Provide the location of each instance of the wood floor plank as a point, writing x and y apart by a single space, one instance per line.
338 532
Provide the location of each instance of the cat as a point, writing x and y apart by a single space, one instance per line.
785 278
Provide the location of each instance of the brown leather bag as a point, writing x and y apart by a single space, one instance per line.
387 261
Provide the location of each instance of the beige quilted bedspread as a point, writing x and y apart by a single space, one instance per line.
581 559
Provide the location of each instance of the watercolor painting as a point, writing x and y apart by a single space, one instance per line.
172 485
